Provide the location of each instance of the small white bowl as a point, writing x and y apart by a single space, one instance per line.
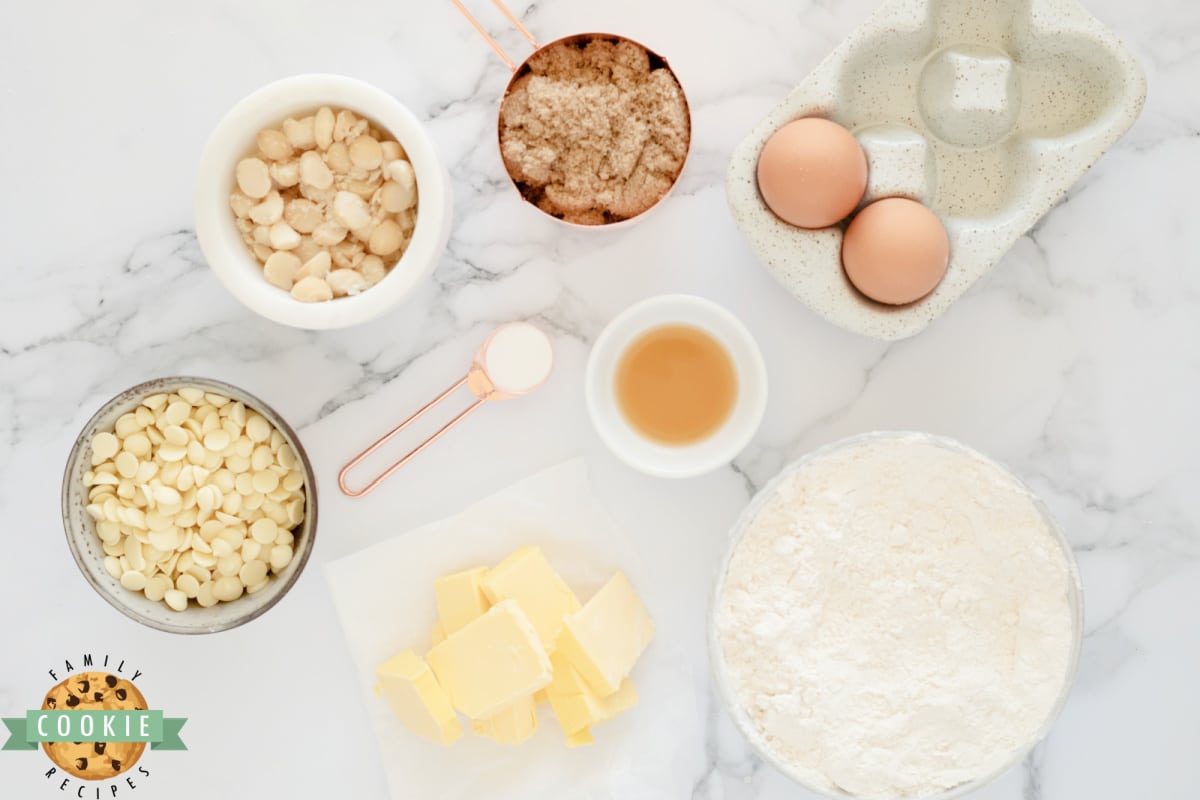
631 446
234 138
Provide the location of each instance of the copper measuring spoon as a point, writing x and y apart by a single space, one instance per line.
513 361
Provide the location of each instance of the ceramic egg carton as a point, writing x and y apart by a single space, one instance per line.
987 111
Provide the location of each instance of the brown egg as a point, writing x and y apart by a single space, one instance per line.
812 173
895 251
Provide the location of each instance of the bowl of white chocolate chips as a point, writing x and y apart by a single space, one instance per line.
321 202
189 505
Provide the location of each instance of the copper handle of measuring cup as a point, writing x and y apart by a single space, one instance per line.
511 17
387 437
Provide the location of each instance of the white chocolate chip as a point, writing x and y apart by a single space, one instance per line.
176 599
104 446
133 580
227 588
252 572
204 595
264 531
188 584
281 556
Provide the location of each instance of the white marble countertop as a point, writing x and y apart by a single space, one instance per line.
1076 362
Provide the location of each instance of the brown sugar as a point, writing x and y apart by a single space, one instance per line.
595 131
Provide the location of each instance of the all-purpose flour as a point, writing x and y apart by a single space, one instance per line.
896 619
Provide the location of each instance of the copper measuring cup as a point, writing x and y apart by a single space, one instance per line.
484 381
520 69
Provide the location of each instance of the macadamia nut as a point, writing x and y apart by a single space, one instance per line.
327 205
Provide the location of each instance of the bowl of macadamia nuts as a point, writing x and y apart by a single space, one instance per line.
321 202
189 505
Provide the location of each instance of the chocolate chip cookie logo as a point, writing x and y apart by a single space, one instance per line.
94 726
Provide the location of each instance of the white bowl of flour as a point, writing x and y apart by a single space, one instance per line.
898 616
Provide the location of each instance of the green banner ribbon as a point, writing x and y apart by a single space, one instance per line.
95 725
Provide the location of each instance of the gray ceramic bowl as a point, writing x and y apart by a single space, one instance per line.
86 546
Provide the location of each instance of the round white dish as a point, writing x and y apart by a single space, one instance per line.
85 544
722 681
234 138
663 460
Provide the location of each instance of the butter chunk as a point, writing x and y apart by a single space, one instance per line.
527 577
576 706
437 634
491 662
581 739
605 639
417 699
511 725
460 598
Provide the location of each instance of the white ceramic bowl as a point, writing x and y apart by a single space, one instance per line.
233 139
85 544
663 460
723 683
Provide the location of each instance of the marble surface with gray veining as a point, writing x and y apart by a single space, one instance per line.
1076 362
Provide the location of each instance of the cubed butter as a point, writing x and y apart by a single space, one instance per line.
511 725
581 739
581 711
492 662
576 706
460 598
527 577
417 698
437 634
540 697
606 637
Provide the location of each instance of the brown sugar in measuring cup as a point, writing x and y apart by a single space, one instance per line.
593 129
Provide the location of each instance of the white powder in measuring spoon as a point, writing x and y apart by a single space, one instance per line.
896 619
518 358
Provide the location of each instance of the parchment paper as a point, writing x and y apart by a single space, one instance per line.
384 598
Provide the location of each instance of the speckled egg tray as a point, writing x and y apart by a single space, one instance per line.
987 111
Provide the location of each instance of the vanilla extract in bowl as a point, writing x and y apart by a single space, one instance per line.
676 384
